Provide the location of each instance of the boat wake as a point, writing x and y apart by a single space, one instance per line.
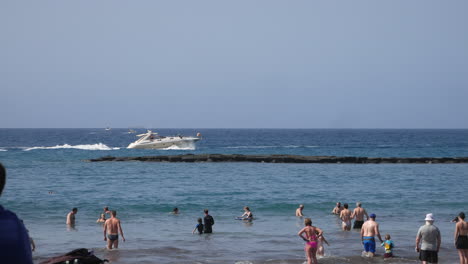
98 146
184 146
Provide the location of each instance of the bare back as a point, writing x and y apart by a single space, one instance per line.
345 215
112 226
370 229
462 228
359 213
311 232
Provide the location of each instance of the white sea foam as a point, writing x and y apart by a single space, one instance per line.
98 146
186 146
3 149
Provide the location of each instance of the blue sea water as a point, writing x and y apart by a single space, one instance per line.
48 175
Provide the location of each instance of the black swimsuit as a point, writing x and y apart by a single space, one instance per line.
462 242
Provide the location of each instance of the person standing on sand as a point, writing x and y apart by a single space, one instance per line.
461 238
370 229
345 216
428 241
208 222
71 217
15 245
358 215
312 235
337 209
299 210
112 228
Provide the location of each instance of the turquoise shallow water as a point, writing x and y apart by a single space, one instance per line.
51 160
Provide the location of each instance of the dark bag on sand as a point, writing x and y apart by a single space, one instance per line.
81 256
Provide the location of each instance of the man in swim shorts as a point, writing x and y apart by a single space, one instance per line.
112 228
370 229
358 214
345 216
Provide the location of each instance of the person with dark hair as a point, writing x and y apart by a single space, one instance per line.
71 217
461 238
247 215
345 216
208 222
112 228
15 245
198 227
428 241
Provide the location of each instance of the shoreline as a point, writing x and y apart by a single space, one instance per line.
286 159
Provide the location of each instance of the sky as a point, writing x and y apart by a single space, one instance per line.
234 64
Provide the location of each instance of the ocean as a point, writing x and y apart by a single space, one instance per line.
47 175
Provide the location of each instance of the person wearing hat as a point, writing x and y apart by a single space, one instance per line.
428 241
15 245
370 229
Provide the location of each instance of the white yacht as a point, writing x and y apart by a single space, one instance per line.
151 140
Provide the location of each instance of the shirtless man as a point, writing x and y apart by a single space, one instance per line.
299 210
71 217
358 215
345 216
337 209
369 229
112 228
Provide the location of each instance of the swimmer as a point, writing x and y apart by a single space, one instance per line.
247 214
299 210
337 209
101 219
199 227
175 210
345 216
312 234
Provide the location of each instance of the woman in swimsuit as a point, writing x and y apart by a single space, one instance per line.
312 235
461 238
247 214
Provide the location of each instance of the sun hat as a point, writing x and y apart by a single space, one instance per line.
429 217
372 215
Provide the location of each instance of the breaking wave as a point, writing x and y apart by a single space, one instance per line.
98 146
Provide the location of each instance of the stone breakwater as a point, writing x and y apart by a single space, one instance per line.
282 159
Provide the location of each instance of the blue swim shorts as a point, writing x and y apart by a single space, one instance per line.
369 244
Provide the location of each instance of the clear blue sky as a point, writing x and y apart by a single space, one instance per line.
234 64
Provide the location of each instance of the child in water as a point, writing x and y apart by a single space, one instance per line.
388 245
320 248
198 227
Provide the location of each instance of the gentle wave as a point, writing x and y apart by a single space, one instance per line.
263 147
3 149
98 146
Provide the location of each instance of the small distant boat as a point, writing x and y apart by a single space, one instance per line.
131 131
151 140
108 128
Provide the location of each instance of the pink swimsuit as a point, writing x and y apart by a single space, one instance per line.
312 244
